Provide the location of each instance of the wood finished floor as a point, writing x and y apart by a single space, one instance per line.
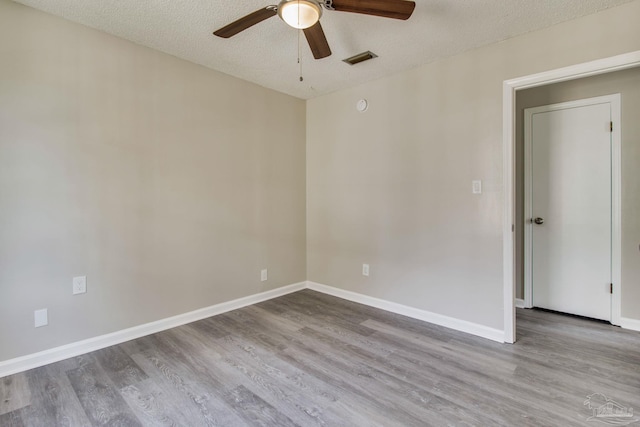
309 359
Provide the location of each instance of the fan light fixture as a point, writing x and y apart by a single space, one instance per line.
300 14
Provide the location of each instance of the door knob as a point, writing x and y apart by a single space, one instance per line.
538 220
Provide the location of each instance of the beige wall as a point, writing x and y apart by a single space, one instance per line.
392 187
168 184
627 83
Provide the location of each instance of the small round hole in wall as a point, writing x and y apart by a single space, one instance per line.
362 105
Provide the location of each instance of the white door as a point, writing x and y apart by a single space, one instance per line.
569 214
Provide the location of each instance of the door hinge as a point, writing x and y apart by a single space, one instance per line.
610 126
610 288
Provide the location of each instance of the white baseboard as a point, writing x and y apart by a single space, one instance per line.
520 303
30 361
632 324
415 313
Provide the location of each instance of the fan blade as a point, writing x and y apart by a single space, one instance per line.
397 9
317 41
246 22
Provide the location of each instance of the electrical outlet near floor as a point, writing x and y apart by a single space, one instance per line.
263 275
365 269
79 285
41 318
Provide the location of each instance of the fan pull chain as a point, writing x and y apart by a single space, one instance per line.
299 59
299 34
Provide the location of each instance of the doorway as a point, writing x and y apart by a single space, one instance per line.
571 213
510 87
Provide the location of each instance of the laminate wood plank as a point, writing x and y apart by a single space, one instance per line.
60 369
255 411
548 366
101 400
574 326
417 399
12 419
447 351
120 368
352 393
177 347
198 358
364 341
242 325
324 312
554 352
250 336
236 367
458 369
514 394
299 389
609 374
272 384
301 384
209 328
154 407
599 333
355 378
394 365
181 388
590 352
272 321
293 321
305 303
14 393
201 395
258 328
54 402
365 312
315 303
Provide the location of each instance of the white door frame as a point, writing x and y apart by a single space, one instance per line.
616 196
509 88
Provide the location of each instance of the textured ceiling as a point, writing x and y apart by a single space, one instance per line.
267 53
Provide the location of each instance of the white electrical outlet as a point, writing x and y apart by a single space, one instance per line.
365 269
263 275
79 285
41 318
476 187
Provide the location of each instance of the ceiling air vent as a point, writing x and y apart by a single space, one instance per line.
361 57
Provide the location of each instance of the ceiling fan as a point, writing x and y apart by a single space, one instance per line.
305 15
